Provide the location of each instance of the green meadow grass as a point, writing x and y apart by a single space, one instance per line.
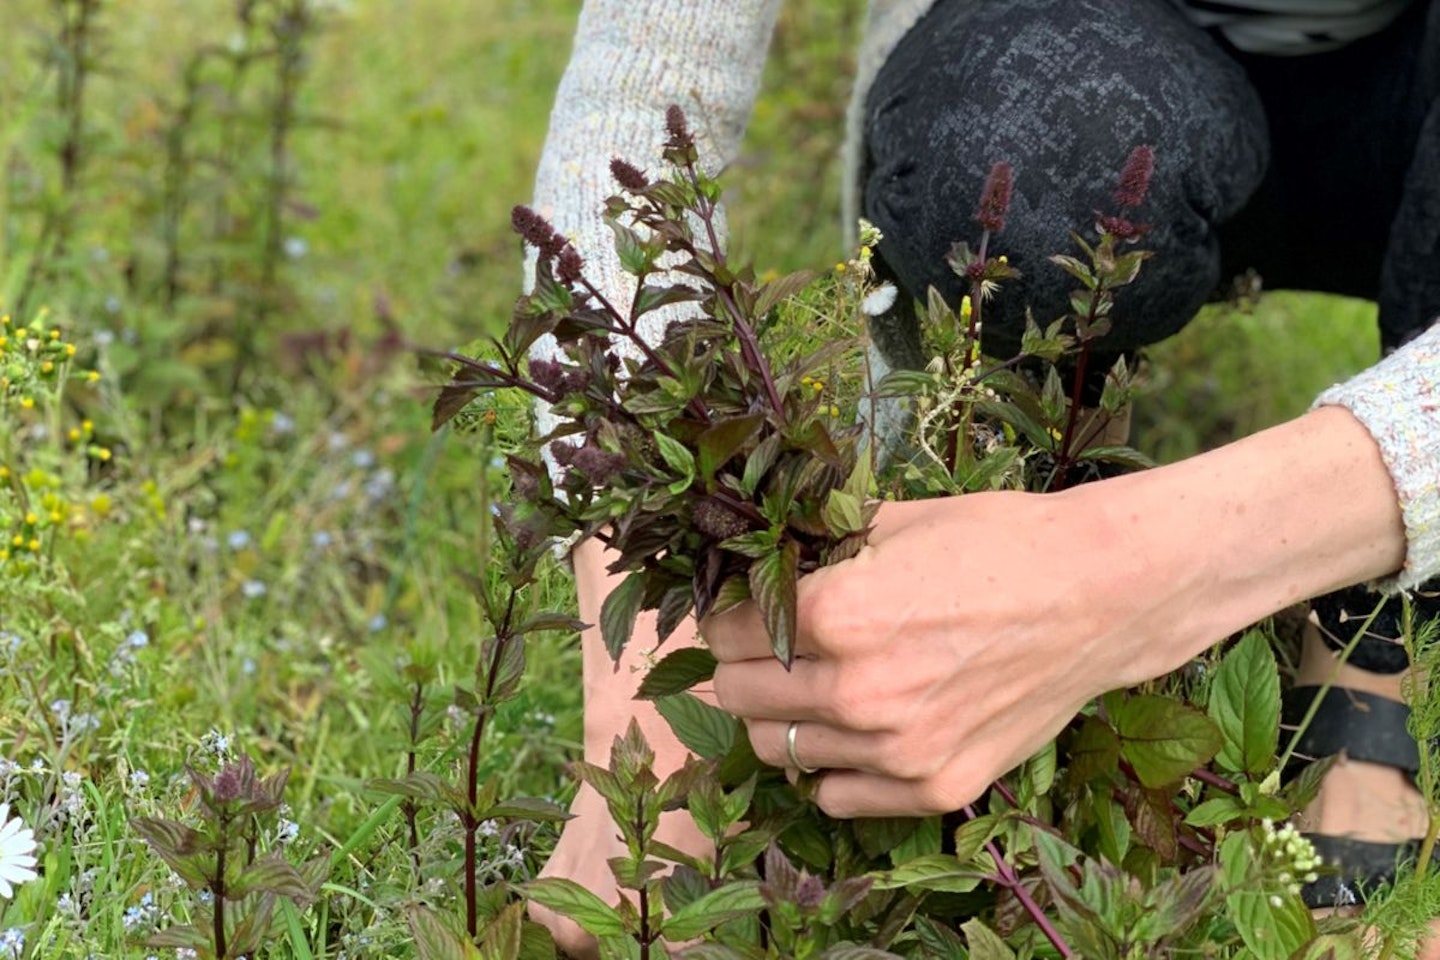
289 551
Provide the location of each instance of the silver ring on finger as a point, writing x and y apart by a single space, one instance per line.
790 732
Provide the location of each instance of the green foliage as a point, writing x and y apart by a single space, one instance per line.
709 462
276 565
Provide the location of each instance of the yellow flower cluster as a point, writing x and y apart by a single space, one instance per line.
33 356
43 494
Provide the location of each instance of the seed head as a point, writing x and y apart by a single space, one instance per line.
715 519
1121 228
536 231
569 266
597 465
1135 177
995 198
628 176
547 373
677 128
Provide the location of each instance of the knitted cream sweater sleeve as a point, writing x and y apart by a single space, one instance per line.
631 60
1398 401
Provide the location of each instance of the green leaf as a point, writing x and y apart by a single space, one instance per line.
1112 828
1245 705
736 899
733 592
634 254
777 290
855 951
270 874
755 544
1094 751
676 456
651 297
1303 790
618 613
717 444
620 948
940 942
1040 770
1175 904
1333 946
772 583
1163 739
509 668
551 621
569 899
706 729
1076 268
1272 931
985 944
1127 268
182 848
679 671
1126 457
1236 859
758 464
972 835
939 871
926 839
1215 812
434 939
877 836
842 513
502 937
183 935
532 809
905 383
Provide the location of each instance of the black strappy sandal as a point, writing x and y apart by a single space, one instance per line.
1369 728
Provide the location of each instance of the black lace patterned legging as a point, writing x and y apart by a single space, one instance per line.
1320 172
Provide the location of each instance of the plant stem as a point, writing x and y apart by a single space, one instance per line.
472 773
410 808
1011 880
217 887
1215 780
749 344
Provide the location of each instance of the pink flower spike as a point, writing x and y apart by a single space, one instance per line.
1135 177
995 198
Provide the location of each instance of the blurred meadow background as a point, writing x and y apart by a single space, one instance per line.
227 529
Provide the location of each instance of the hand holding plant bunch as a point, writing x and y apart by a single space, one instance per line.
933 665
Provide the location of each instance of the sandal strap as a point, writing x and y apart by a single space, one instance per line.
1362 867
1366 726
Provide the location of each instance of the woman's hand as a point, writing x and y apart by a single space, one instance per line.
969 631
966 635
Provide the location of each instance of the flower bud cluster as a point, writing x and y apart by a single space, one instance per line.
1288 856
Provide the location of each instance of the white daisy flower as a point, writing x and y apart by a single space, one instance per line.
17 848
879 300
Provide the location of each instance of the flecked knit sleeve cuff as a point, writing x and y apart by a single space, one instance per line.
632 59
1398 401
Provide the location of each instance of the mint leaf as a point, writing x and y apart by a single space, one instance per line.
679 671
772 583
707 730
1163 739
1245 705
618 613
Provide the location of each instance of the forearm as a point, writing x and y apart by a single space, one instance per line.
1236 534
610 687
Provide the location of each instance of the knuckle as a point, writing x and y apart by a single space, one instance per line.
722 688
901 759
855 705
937 794
768 749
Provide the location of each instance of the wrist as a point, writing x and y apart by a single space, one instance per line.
1231 536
